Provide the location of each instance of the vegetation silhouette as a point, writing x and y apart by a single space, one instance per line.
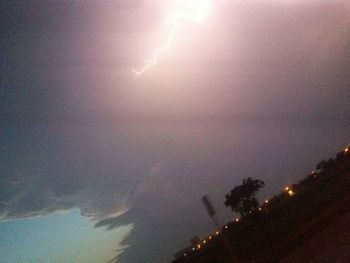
242 198
288 222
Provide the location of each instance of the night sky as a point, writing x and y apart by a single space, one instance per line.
99 164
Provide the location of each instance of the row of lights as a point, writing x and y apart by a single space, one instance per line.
290 191
199 246
287 189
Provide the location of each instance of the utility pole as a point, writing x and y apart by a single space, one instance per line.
212 214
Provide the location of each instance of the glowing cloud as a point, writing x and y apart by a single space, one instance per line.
194 11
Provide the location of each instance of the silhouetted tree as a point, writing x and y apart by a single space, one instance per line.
242 199
322 165
340 156
331 162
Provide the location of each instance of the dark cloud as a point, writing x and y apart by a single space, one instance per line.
164 217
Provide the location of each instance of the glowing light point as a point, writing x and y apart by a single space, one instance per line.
346 150
286 188
266 201
237 220
291 193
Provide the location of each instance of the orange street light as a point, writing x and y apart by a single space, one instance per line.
291 193
346 149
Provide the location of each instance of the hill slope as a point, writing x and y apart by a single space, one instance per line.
310 224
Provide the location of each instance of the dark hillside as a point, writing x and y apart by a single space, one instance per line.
282 229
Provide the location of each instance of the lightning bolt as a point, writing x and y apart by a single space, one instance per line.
195 12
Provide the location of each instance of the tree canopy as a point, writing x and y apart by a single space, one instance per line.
242 198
